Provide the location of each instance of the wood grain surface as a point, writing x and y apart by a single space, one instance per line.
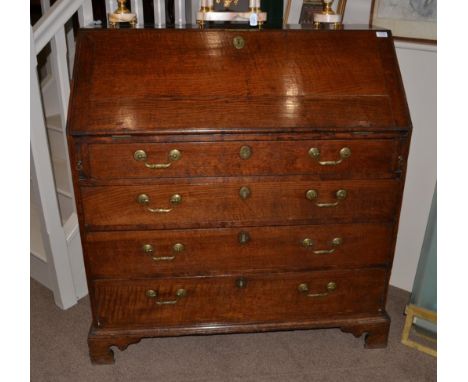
211 203
218 300
369 159
327 80
219 251
285 92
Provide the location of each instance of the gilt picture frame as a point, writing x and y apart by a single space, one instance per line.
412 20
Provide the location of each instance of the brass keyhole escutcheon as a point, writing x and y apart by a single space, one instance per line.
245 152
175 155
241 283
243 237
244 192
238 42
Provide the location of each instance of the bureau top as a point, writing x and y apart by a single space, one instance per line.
150 81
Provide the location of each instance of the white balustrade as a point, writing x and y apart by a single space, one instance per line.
159 13
65 271
61 238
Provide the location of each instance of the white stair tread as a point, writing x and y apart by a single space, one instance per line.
36 242
61 176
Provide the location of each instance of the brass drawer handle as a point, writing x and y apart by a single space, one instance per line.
340 195
151 293
144 200
163 258
307 243
178 247
149 249
314 153
174 155
304 288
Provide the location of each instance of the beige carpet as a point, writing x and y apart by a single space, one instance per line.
59 353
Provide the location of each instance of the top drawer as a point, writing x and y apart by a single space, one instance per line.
328 159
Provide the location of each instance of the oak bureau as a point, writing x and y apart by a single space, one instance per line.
236 180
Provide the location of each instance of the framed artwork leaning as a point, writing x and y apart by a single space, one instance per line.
407 19
309 7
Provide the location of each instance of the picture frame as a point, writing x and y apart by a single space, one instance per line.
309 7
411 20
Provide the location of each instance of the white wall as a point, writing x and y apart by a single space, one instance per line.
418 66
418 69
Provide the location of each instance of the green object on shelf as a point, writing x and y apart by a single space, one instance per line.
424 292
274 9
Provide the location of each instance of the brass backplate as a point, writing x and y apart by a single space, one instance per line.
245 152
238 42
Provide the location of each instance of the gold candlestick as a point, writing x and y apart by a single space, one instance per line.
122 15
122 8
328 16
227 3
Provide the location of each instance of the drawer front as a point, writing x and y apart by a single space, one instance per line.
325 158
217 300
221 251
239 202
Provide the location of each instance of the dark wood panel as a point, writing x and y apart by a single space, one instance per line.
246 249
270 64
188 115
368 159
218 300
280 80
283 93
217 204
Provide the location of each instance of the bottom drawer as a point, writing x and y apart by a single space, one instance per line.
233 299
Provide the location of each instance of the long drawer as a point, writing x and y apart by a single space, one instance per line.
326 158
238 201
237 299
133 254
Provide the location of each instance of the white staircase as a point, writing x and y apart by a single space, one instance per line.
56 259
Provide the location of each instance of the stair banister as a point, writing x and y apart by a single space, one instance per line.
64 259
